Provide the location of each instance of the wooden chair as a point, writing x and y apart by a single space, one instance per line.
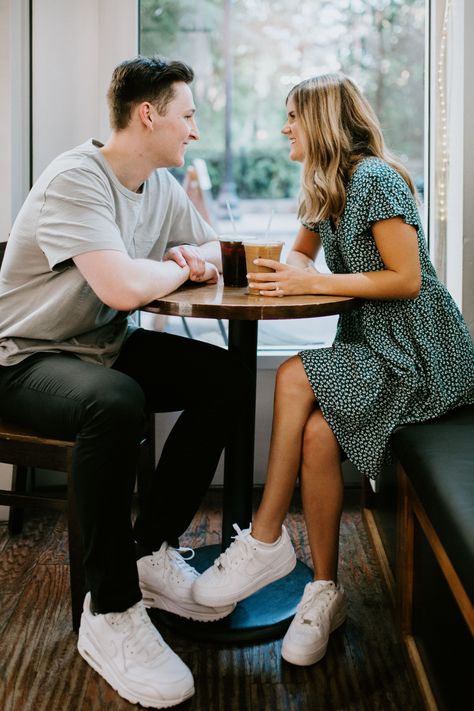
25 448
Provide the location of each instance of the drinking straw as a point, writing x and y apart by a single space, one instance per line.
269 224
231 217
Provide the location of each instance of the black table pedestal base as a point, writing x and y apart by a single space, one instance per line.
263 616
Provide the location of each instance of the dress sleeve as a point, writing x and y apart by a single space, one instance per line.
313 226
389 196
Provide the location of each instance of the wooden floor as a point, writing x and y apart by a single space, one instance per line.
40 669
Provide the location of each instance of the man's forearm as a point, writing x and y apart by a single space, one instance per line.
126 284
151 280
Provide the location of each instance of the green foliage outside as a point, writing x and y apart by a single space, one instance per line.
257 174
276 43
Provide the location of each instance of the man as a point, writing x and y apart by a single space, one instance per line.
104 230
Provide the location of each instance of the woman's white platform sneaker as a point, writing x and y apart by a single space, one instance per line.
127 650
322 609
246 566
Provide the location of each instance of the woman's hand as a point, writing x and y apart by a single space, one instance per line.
286 280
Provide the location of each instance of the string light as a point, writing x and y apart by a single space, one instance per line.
443 117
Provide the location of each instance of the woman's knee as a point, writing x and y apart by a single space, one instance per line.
292 381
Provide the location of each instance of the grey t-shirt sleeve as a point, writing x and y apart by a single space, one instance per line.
77 216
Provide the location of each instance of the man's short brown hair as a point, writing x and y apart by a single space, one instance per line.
143 79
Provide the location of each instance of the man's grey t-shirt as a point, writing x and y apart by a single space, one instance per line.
78 205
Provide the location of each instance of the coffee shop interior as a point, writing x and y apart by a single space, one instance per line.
406 545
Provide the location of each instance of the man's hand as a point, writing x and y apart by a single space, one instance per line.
187 254
209 276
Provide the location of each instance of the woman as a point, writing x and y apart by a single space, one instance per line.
405 355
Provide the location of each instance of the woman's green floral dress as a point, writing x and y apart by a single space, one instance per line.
392 362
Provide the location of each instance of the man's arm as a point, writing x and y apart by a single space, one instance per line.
126 284
196 257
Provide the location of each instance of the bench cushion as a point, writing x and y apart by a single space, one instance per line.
438 458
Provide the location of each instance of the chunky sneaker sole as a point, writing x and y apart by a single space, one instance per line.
245 567
197 612
127 650
206 596
88 651
295 655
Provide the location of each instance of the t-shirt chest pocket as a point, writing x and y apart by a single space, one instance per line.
140 242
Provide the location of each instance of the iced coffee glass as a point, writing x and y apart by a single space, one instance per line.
270 249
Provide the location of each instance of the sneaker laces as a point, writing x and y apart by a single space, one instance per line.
314 604
175 564
143 642
240 549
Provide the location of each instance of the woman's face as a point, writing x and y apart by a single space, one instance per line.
294 132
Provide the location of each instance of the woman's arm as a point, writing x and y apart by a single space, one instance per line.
397 244
304 249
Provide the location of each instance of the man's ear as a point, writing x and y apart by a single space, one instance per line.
145 114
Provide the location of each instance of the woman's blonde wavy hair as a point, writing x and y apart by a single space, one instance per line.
340 129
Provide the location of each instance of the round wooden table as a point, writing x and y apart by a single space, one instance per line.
267 613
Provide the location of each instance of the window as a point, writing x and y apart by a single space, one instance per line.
247 54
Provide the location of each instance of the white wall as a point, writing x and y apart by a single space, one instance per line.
460 142
76 45
14 131
14 115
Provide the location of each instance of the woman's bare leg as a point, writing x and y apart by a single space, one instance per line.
322 490
294 402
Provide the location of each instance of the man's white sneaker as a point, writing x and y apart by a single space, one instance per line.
246 566
166 582
322 609
128 651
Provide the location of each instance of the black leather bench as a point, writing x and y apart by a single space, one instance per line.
436 523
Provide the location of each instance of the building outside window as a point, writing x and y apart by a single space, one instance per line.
247 54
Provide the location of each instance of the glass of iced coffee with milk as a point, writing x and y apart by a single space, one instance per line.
261 249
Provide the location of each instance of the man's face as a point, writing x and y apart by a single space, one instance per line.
173 131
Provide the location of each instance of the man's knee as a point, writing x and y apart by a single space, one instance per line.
116 398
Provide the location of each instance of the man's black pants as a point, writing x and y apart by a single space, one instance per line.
105 410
